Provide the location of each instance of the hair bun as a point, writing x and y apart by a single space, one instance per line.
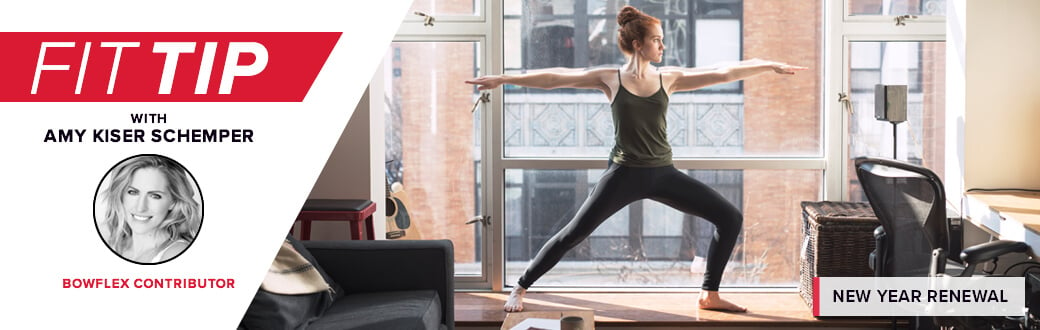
633 25
628 14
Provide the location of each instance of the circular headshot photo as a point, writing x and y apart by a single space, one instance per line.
148 209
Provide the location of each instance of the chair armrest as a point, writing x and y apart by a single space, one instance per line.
938 264
879 255
385 265
990 250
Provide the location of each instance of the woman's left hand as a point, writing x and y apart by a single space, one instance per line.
784 68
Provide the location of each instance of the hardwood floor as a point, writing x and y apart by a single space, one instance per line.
657 310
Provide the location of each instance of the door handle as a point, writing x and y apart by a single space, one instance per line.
482 219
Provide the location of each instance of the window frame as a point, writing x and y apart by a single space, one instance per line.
487 268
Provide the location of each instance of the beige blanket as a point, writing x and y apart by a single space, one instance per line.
291 273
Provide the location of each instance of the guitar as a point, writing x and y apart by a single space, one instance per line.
398 223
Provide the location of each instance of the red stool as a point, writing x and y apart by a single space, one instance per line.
354 211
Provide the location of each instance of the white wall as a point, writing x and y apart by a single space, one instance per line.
355 168
1002 93
956 69
346 174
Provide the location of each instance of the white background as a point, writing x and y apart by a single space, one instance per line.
252 191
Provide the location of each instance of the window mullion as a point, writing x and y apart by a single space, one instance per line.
443 28
581 28
890 28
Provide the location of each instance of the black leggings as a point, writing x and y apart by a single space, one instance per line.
622 185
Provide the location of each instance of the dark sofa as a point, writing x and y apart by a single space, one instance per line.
375 285
397 284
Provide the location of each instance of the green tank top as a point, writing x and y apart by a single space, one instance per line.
640 128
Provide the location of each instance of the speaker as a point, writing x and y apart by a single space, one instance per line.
955 224
956 237
890 103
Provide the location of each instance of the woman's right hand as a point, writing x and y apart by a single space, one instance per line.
486 82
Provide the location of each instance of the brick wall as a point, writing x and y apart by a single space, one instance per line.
933 81
437 140
781 115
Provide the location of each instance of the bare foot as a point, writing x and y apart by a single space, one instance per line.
710 300
515 302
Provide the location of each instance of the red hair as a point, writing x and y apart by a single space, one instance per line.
633 25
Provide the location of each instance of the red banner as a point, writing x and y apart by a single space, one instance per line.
161 66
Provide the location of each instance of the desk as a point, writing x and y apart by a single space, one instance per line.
1011 215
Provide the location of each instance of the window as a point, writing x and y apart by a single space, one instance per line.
920 140
782 119
649 244
583 34
540 202
879 49
430 145
535 154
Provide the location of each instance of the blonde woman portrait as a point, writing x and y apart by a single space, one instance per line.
148 209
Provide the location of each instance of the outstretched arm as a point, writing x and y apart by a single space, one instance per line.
546 79
694 78
706 68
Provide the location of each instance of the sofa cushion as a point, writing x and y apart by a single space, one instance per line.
280 303
337 290
277 311
419 309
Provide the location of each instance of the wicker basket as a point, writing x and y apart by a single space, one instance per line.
839 237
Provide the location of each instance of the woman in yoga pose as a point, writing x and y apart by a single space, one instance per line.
640 163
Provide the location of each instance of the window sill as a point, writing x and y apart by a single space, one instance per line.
483 310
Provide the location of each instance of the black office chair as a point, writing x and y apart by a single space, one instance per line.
913 240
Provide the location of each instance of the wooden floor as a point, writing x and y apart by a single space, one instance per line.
483 310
